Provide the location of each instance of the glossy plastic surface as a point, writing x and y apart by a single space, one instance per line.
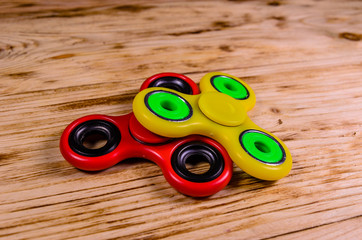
160 153
127 138
220 112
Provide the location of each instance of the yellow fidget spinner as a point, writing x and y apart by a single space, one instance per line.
218 112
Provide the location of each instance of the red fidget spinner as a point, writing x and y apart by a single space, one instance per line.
127 138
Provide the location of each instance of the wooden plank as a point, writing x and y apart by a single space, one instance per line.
63 60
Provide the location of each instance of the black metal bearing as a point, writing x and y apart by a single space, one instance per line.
100 127
204 152
174 83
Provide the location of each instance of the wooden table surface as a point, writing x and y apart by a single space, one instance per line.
60 60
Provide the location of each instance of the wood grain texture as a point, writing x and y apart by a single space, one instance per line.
60 60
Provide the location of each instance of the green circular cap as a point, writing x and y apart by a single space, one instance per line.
262 146
230 87
168 105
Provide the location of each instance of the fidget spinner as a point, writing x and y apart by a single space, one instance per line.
127 138
218 112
